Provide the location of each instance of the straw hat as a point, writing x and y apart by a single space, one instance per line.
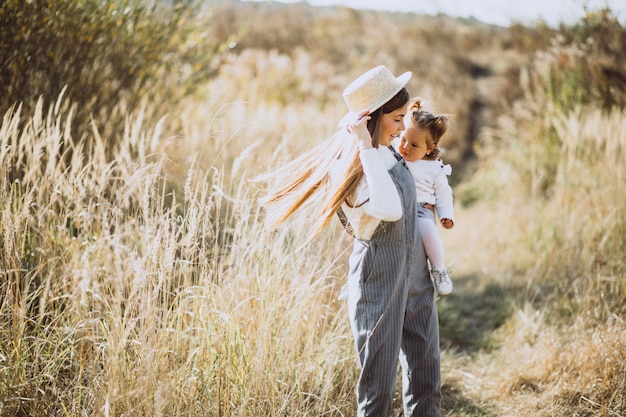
373 89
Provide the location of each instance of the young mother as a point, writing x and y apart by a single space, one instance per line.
391 302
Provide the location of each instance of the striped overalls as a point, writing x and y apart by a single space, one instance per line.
393 314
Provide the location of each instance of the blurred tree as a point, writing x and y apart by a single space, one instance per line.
588 63
104 52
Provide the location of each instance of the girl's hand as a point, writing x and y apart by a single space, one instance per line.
359 129
447 223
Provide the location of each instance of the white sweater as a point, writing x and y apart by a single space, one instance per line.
431 184
377 186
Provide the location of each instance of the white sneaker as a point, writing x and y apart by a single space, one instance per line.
442 281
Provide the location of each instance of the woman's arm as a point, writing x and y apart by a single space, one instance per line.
384 201
376 195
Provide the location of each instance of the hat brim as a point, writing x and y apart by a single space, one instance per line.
402 80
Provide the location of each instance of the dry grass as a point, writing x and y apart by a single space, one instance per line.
124 297
138 277
549 234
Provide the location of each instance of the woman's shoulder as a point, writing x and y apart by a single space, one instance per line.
381 155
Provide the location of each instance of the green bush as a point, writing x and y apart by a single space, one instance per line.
589 63
107 53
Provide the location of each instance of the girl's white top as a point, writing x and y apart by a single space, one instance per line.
377 190
431 184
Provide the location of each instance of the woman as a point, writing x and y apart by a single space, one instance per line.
391 302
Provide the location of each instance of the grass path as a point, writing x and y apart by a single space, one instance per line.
482 302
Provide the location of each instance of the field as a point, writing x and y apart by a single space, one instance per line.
139 278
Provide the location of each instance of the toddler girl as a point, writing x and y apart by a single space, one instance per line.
418 145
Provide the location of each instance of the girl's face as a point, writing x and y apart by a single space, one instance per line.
414 144
391 124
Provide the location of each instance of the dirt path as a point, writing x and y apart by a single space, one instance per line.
482 301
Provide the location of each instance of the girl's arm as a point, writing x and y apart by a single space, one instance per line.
443 194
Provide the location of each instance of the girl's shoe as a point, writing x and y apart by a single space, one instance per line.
442 281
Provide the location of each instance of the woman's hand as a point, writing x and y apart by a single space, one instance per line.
447 223
359 129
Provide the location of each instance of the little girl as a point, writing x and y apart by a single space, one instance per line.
418 146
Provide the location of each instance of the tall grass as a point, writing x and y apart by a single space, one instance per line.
122 295
569 167
554 179
138 277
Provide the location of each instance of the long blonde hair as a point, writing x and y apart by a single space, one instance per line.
306 179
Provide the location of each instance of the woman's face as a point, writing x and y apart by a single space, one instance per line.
391 124
414 144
